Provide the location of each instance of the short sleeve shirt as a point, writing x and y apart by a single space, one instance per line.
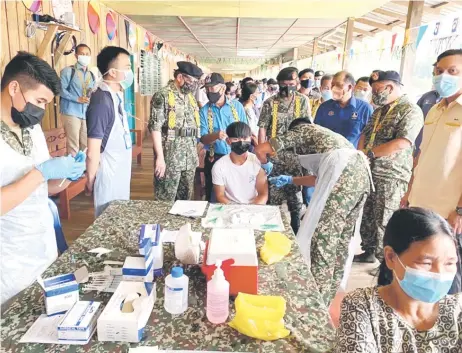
348 121
222 118
239 180
369 325
403 120
100 116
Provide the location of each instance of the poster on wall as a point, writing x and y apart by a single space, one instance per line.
131 34
33 5
111 27
93 16
60 7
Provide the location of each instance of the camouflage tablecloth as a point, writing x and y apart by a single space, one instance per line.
306 316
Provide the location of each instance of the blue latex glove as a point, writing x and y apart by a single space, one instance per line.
281 180
79 157
61 168
268 167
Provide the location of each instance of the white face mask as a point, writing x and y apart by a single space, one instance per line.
84 60
364 95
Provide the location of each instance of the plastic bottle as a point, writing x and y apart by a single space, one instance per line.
176 292
218 296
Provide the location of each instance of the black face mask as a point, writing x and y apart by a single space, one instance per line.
240 147
30 116
306 83
213 97
284 91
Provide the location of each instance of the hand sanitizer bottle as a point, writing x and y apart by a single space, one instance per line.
218 297
176 292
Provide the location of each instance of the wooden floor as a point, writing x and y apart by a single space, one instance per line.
82 211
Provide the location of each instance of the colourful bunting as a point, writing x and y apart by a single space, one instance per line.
422 30
93 16
393 40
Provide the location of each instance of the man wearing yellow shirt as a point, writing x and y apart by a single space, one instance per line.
437 179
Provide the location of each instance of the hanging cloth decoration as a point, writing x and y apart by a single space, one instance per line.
147 42
93 16
111 27
422 30
393 41
33 5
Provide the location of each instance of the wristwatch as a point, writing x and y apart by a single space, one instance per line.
370 155
459 210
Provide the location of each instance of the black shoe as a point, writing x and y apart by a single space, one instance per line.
366 257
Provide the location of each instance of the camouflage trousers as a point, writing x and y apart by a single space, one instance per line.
287 164
331 239
378 210
175 185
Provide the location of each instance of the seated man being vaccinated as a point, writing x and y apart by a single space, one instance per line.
238 177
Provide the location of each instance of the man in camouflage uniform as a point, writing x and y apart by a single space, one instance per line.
388 141
175 127
328 251
276 115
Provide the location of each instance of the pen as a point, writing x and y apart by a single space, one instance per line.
62 181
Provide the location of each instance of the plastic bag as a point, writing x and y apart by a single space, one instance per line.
187 246
260 316
276 246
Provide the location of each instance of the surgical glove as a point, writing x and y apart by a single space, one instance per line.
61 168
281 180
79 157
268 168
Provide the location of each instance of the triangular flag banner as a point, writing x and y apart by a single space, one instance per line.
338 57
393 40
352 52
420 35
382 43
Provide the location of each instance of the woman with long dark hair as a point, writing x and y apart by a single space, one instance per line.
410 310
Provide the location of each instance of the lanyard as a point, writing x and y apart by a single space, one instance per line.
378 126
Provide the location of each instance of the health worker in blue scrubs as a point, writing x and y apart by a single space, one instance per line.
344 114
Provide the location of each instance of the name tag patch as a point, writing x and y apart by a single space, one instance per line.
331 113
354 116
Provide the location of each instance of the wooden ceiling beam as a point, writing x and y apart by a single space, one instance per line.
374 24
391 14
363 32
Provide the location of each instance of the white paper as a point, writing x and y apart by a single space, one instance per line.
44 330
99 251
189 208
81 275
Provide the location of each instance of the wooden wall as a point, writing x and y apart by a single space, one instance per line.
13 16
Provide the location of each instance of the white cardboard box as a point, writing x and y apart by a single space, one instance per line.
138 269
60 293
79 323
117 326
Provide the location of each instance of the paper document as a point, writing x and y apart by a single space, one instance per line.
189 208
99 251
168 236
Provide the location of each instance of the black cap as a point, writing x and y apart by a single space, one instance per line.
287 74
185 67
214 79
319 73
385 76
272 81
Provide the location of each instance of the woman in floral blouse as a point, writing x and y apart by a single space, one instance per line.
410 310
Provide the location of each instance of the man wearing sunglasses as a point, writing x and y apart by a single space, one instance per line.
175 126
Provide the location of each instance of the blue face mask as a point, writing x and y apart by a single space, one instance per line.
428 287
326 95
446 85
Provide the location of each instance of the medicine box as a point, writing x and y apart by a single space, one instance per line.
237 250
61 292
138 268
114 325
152 231
79 323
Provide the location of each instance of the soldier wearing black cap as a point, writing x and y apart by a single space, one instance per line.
175 127
277 113
388 141
215 117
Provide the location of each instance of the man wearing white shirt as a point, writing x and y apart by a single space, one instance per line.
238 177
